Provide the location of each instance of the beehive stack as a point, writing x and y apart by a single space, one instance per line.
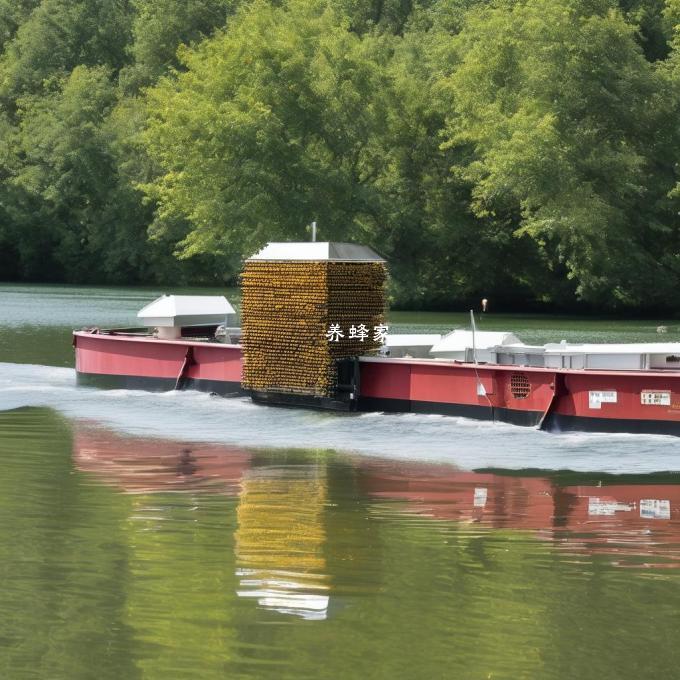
287 309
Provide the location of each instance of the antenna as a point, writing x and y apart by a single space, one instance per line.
314 232
474 330
481 390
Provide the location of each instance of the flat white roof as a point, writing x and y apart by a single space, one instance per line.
317 251
460 340
176 310
621 348
412 340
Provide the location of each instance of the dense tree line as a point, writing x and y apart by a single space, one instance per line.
526 150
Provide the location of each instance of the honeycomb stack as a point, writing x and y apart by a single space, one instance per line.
287 310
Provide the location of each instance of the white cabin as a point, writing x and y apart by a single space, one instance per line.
416 346
170 313
624 357
457 345
506 349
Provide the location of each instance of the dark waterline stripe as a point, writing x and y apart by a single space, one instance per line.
554 423
136 382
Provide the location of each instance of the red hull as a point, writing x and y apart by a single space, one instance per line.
556 399
145 361
561 397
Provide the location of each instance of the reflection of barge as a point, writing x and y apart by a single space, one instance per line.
609 388
283 508
634 520
280 533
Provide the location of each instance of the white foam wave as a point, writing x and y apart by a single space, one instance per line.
467 443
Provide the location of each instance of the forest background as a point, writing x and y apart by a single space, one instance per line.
526 151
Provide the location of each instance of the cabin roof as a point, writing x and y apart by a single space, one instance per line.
316 251
187 309
460 340
621 348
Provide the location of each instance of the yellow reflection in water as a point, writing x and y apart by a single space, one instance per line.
280 539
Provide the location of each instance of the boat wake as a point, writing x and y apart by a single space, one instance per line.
468 444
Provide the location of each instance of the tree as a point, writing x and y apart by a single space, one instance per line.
568 127
269 128
12 14
440 253
161 26
60 35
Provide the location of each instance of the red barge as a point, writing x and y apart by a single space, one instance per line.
491 376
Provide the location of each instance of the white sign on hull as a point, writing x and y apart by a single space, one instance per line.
597 398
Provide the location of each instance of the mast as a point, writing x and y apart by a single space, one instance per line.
474 330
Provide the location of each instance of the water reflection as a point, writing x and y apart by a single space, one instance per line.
279 543
130 557
282 512
146 465
637 523
280 539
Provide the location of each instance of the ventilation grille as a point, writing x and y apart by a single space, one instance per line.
519 386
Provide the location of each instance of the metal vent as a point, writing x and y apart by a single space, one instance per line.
520 387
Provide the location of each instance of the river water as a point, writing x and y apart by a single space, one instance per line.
184 536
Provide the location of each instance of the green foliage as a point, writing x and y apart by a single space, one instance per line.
12 14
68 167
440 253
161 26
568 126
524 150
60 35
384 15
654 30
269 128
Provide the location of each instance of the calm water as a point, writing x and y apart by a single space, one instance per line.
182 536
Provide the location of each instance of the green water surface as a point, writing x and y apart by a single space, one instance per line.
137 556
36 322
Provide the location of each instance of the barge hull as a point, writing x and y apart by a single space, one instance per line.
474 411
149 384
555 400
552 399
293 400
130 362
562 423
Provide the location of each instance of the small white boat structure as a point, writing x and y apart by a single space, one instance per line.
170 313
624 357
405 345
458 345
505 349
